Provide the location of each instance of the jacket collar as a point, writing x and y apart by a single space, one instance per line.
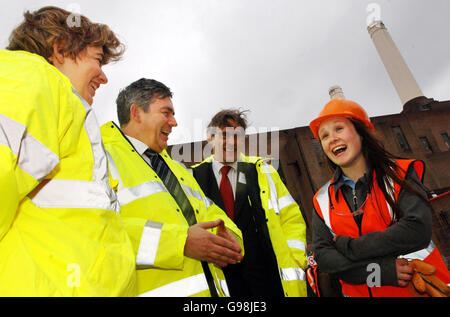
340 180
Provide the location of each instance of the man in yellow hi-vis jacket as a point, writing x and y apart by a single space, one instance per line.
187 238
272 225
60 232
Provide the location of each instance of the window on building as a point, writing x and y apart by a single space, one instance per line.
426 144
446 139
318 151
401 139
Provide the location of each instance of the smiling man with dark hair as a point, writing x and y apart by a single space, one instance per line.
187 238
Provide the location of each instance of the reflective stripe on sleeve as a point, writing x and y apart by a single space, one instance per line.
128 194
285 201
148 246
33 157
421 254
196 194
67 193
273 201
182 288
297 244
292 274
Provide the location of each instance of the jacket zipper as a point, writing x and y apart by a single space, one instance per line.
355 205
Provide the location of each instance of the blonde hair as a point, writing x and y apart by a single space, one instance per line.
49 25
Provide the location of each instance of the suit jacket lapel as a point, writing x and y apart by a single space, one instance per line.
207 181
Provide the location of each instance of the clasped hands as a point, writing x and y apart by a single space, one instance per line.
220 249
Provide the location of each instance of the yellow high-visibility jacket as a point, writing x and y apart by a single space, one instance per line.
286 228
164 271
60 231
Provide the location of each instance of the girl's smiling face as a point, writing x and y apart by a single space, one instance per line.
340 142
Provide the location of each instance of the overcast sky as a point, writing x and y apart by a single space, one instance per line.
276 58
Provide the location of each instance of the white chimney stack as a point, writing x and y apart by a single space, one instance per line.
401 76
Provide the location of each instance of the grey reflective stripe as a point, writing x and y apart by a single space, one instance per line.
224 287
182 288
208 202
273 200
148 246
113 170
421 254
129 194
68 193
100 169
285 201
33 157
296 244
292 274
11 133
324 203
196 194
191 192
222 284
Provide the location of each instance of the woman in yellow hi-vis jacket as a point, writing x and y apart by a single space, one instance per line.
60 233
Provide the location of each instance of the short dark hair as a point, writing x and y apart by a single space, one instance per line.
142 92
221 119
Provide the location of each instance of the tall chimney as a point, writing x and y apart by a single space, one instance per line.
336 92
402 78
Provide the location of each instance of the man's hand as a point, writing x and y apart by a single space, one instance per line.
221 249
404 272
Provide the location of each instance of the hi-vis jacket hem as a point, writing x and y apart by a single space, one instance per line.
182 288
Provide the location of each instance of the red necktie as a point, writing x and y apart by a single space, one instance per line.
227 192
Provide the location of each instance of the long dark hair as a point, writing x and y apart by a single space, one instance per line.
383 163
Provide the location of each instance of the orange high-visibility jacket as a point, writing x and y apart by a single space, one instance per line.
373 220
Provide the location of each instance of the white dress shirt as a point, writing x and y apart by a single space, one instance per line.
140 147
232 174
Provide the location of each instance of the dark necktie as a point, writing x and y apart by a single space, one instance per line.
174 188
227 192
172 185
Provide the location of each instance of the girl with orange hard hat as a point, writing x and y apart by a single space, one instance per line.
373 217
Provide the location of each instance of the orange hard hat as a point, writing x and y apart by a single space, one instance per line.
338 107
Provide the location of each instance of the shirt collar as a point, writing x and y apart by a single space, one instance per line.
339 180
140 146
216 165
